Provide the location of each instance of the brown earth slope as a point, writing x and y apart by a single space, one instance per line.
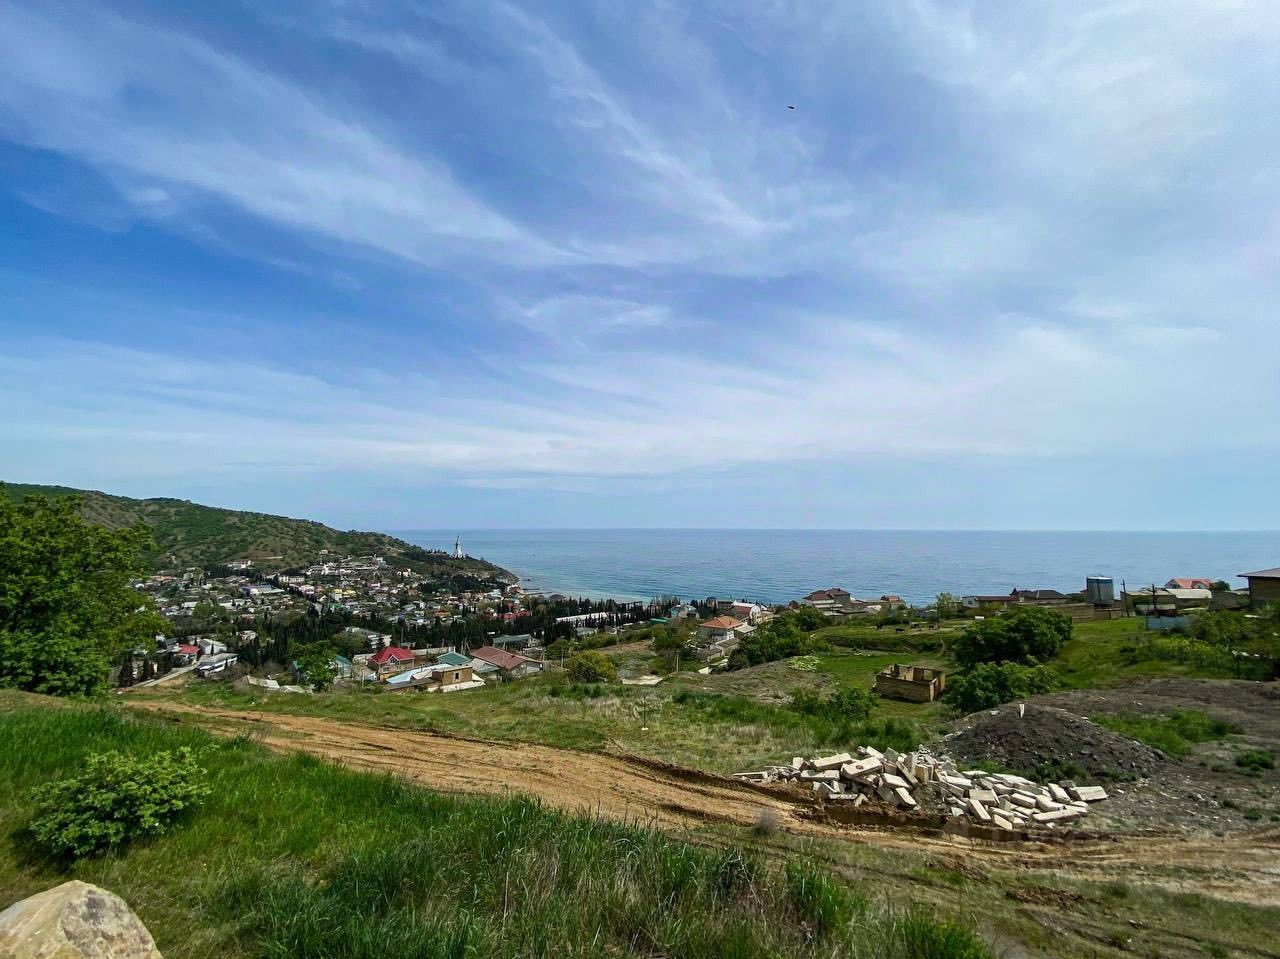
1242 866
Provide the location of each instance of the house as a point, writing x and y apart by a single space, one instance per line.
682 611
392 659
1153 601
978 601
217 663
436 678
479 668
1264 586
1039 597
720 629
748 612
891 601
510 665
834 595
184 654
1186 582
719 636
520 641
1186 598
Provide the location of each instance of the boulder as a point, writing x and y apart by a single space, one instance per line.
74 921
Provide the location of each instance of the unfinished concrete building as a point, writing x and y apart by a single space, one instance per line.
916 684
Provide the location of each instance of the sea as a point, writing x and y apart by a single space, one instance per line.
777 566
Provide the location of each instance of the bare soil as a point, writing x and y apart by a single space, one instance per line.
1243 866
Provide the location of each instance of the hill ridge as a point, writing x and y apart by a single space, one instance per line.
193 534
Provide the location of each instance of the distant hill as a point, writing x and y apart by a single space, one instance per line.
188 534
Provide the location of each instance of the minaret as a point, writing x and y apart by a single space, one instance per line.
457 548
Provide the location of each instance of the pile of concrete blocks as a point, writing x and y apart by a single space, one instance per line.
919 779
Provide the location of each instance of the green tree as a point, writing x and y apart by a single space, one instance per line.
315 665
67 609
670 643
591 667
948 606
1023 635
852 703
990 684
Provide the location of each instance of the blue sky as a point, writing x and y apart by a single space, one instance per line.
474 264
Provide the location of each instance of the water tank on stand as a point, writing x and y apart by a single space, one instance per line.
1100 590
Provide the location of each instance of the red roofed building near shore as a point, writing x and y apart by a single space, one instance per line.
1187 582
720 629
512 665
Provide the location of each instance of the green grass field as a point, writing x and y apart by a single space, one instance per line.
736 720
292 857
1095 657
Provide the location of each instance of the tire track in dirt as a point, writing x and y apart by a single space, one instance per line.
1242 866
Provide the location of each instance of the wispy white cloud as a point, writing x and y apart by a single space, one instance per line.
160 111
987 230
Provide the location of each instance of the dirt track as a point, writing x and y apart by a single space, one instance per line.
1242 866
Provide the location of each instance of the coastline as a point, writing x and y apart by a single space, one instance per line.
777 566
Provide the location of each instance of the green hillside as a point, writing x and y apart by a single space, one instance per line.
188 534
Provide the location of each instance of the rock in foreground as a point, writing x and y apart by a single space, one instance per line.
74 921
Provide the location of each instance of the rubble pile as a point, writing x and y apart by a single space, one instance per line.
1029 736
919 779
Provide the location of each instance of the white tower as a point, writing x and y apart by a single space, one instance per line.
457 548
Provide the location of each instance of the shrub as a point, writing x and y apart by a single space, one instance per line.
1023 635
990 684
118 798
781 638
846 704
1257 759
591 667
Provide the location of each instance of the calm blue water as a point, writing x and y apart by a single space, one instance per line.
780 565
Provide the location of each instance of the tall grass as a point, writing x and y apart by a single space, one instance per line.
1173 734
294 857
886 732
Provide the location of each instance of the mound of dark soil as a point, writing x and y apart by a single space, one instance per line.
1051 742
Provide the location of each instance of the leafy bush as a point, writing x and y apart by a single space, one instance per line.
990 684
118 798
784 636
1023 635
847 704
591 667
1256 759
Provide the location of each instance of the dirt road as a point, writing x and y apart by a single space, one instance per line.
613 786
1243 866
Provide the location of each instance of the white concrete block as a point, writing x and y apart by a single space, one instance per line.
1089 793
822 763
1056 815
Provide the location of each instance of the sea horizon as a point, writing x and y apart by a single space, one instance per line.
777 565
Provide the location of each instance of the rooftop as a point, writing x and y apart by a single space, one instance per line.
723 622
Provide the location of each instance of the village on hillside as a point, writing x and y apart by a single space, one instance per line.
399 631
